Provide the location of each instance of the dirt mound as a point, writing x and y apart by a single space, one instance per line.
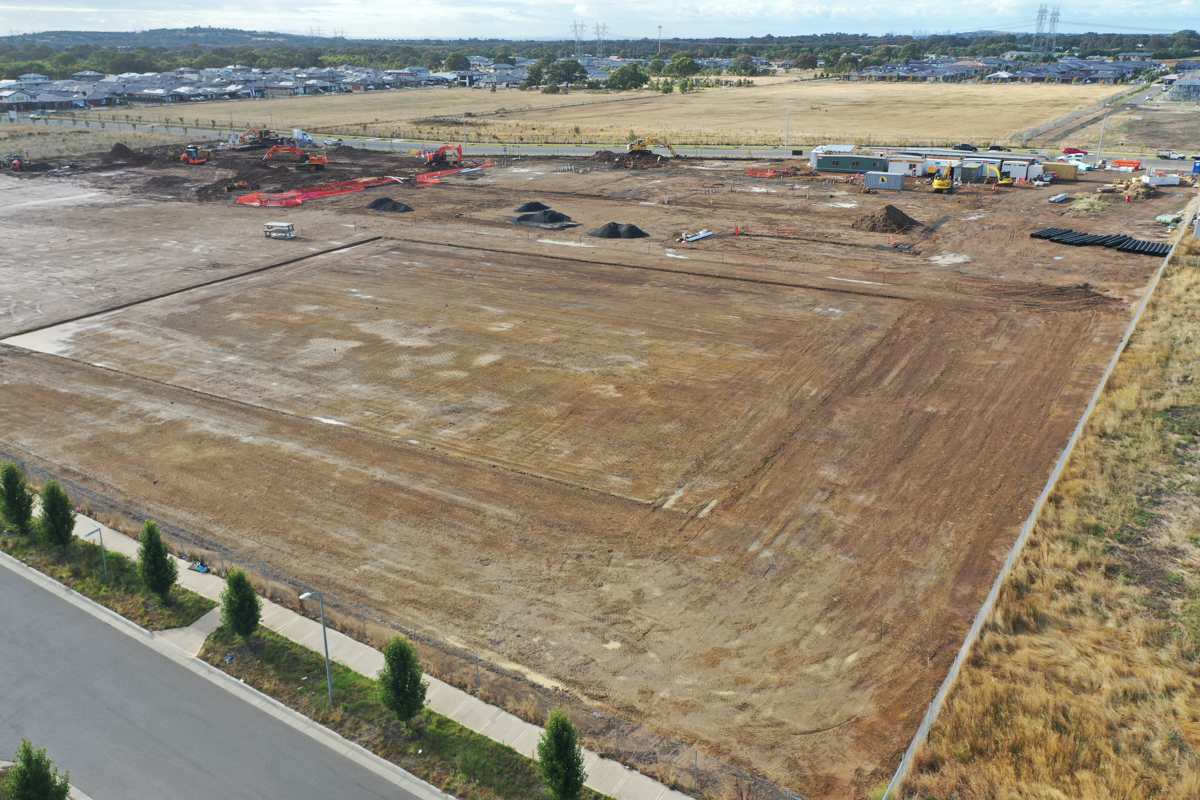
547 218
38 166
164 182
120 151
345 150
530 207
614 231
888 219
604 156
388 205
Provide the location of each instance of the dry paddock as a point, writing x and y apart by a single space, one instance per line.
748 494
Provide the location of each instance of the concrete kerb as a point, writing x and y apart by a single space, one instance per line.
605 776
989 603
354 752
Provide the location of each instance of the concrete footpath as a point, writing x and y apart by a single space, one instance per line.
604 775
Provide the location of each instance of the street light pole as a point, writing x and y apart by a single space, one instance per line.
325 636
103 554
1100 146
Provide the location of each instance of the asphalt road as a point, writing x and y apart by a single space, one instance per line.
130 724
580 151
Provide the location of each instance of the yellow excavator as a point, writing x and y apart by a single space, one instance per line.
643 146
942 180
1001 180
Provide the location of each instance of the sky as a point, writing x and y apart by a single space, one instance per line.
625 19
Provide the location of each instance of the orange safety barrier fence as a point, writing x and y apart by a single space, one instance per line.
297 196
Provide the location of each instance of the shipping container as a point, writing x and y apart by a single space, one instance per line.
884 180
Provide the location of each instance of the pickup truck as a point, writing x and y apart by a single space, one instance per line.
1174 155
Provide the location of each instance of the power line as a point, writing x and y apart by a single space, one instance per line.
601 32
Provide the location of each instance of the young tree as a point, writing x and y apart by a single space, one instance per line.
156 568
241 606
401 686
57 521
560 758
16 498
34 777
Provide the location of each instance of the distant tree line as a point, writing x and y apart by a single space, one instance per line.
60 54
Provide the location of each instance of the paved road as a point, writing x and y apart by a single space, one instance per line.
581 151
130 724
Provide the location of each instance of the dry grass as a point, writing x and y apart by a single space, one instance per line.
40 142
820 111
1086 680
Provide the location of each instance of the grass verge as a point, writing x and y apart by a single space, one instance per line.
1085 682
434 748
81 568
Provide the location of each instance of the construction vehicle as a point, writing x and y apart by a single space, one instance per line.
194 155
310 162
13 162
942 180
238 186
643 146
1001 179
448 154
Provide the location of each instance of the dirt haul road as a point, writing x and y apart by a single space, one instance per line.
752 504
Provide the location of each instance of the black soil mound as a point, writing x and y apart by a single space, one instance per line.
546 217
388 205
530 207
614 231
888 219
40 166
120 151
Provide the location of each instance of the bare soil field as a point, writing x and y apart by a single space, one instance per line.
821 111
748 493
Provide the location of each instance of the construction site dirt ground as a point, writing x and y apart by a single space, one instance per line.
747 492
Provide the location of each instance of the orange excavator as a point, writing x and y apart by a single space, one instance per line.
194 155
310 162
448 154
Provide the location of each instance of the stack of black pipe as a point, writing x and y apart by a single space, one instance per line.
1119 241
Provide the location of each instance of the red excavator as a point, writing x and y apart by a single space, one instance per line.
310 162
449 154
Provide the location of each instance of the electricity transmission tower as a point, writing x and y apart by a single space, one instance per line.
1053 32
601 33
1039 38
578 29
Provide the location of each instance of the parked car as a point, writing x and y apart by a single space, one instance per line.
333 142
1195 157
968 147
1174 155
1074 151
999 149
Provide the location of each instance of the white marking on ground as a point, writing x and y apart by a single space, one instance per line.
949 259
330 421
704 511
568 244
851 280
676 255
671 500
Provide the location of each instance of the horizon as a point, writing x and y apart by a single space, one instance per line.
523 20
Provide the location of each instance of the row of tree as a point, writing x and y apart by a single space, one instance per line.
52 56
401 684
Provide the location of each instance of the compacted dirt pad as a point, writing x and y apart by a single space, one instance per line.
748 494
